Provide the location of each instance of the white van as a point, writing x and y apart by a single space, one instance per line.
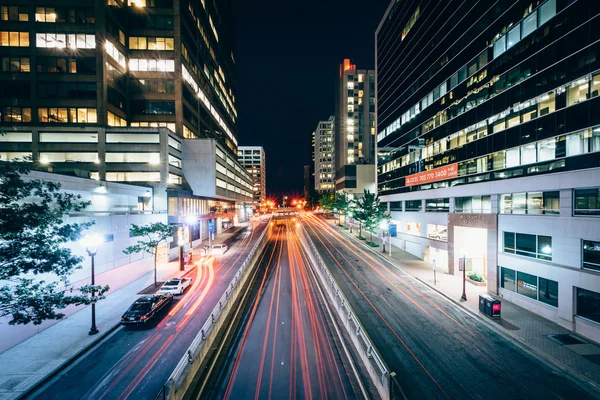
219 249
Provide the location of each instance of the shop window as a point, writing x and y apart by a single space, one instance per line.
527 285
591 255
586 202
588 304
548 292
508 279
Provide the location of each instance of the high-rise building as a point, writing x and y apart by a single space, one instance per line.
119 90
354 129
488 145
252 158
324 156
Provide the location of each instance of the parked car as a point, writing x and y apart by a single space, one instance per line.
145 308
175 286
219 249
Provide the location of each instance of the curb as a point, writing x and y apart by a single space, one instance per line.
552 362
39 384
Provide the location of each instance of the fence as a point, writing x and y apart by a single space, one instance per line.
376 368
182 375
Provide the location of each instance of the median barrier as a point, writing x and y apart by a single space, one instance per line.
185 371
376 368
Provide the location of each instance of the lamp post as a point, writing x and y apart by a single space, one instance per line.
464 271
384 226
190 220
91 244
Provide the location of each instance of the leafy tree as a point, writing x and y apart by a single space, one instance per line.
370 211
152 235
342 203
359 215
32 235
326 202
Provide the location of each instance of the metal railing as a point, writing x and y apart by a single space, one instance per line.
357 332
200 339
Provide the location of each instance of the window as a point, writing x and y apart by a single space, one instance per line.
15 114
530 203
132 138
508 279
548 292
150 158
65 115
154 85
16 64
150 43
75 91
513 37
14 39
13 13
546 11
529 24
588 304
11 136
577 91
168 125
153 107
591 255
527 285
68 137
474 204
437 205
116 55
413 205
528 245
115 120
176 144
499 46
586 141
144 65
68 157
587 202
395 206
133 176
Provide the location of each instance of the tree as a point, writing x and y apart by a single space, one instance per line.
32 235
359 214
370 211
152 235
326 202
342 203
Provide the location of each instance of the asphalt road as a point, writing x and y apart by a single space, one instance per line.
135 362
286 349
436 350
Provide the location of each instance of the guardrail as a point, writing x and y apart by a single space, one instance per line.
177 381
377 369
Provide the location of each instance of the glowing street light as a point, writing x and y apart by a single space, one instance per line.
91 244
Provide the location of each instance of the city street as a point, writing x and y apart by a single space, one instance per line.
287 349
134 362
435 349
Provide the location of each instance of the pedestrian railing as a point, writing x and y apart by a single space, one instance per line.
177 383
377 369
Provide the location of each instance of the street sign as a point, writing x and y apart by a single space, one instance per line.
393 230
211 226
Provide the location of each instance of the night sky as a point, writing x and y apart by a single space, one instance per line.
287 55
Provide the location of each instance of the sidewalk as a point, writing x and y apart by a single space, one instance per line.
31 361
530 330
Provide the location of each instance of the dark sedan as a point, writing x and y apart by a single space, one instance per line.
145 308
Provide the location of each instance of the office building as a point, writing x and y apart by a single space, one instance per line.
324 156
354 129
488 141
115 90
252 158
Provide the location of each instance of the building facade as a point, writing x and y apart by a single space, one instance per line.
324 156
488 141
252 158
354 123
111 90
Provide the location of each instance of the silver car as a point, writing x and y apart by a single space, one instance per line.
175 286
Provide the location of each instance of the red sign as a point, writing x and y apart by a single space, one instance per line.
436 174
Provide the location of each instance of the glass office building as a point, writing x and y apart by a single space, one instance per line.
489 144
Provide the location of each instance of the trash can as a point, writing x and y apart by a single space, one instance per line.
490 306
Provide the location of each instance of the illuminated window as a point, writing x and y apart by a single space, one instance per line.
151 43
115 120
152 65
16 64
13 13
133 176
45 14
14 39
68 157
63 40
15 114
66 115
150 158
112 51
168 125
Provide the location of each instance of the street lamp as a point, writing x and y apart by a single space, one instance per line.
384 226
350 221
91 244
190 220
464 271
